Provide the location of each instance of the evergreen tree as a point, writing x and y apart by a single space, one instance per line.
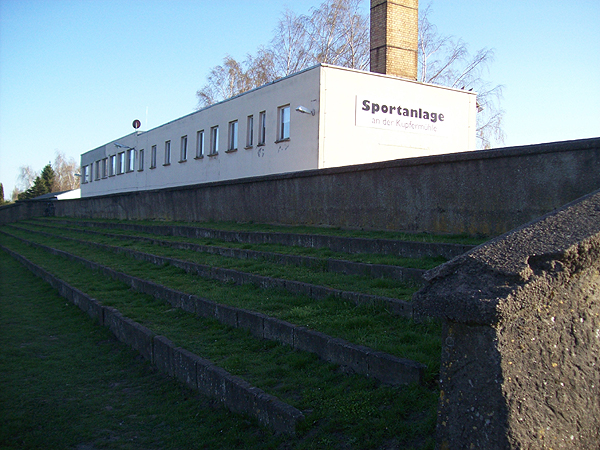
47 178
1 194
42 184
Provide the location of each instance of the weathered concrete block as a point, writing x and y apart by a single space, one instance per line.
226 314
312 341
278 330
521 341
205 308
129 332
349 355
297 287
184 367
90 306
162 356
252 321
188 303
393 370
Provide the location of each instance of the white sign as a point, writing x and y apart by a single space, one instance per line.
411 117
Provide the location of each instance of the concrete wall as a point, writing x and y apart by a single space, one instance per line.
521 339
486 192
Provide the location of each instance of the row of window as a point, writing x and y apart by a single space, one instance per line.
126 161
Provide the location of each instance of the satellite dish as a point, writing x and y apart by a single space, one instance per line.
136 124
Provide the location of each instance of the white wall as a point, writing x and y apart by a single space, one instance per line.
345 130
351 134
298 153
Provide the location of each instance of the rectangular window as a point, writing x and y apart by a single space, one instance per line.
214 141
84 174
183 155
121 163
130 160
98 170
200 144
250 132
262 128
104 167
153 157
91 174
283 123
141 160
233 136
167 153
112 167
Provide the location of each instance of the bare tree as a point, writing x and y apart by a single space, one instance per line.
26 178
339 34
64 171
445 60
335 33
292 43
14 196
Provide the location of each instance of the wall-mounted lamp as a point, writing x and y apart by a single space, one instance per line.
304 110
124 146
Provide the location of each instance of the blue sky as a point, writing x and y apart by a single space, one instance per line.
74 74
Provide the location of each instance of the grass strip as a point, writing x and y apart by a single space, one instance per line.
371 326
307 229
426 263
351 407
67 383
384 287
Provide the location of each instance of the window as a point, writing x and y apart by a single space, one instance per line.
121 163
200 144
104 167
183 156
262 128
84 174
91 174
130 159
283 123
233 136
250 132
97 170
167 153
112 167
214 141
153 157
141 160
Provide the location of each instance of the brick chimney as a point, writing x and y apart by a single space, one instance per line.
395 37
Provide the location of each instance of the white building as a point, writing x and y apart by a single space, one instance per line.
322 117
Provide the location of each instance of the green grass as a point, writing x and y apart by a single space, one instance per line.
67 383
305 229
343 411
318 276
426 263
371 326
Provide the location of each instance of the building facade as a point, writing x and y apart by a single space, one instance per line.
325 116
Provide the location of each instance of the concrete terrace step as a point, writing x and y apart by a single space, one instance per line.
192 370
394 306
330 264
363 360
406 249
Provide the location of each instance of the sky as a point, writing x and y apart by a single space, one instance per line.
74 74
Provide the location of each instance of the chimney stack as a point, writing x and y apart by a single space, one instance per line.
395 37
